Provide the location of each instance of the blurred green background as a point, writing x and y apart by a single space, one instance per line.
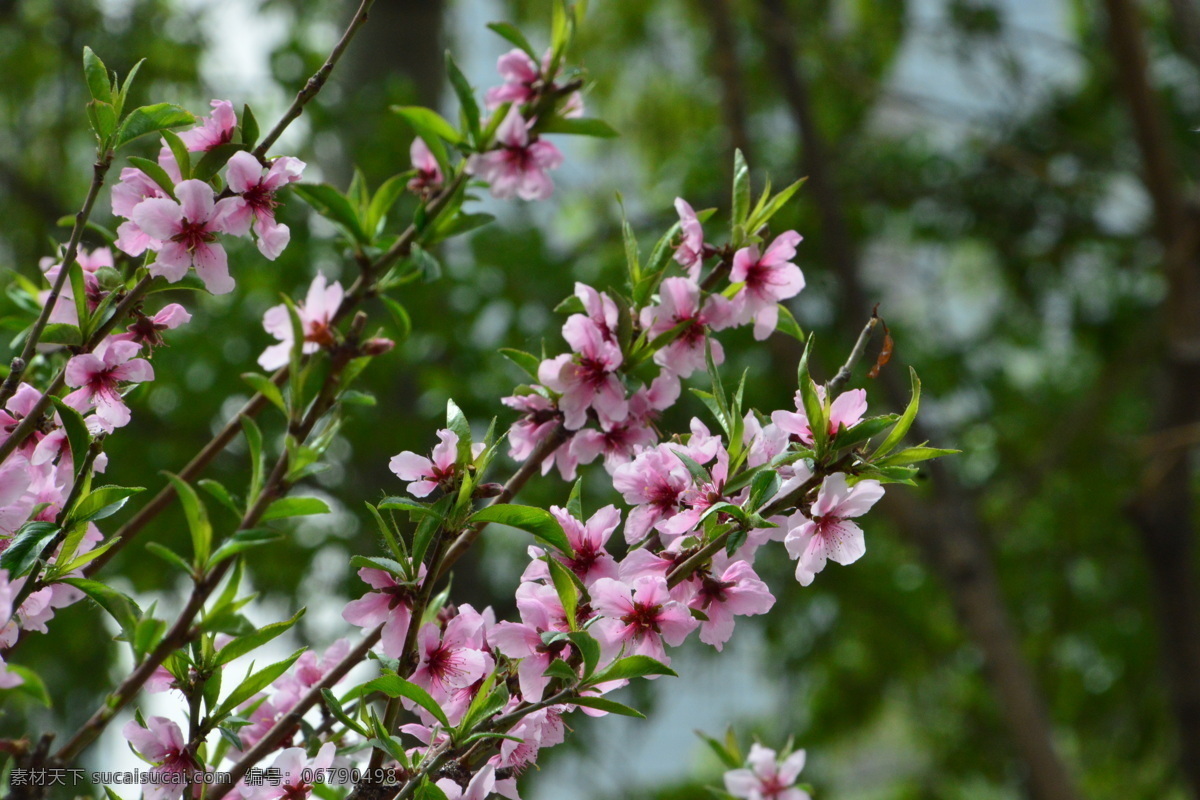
994 175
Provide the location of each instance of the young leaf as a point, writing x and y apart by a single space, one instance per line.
604 704
466 97
77 432
197 518
25 546
249 127
395 686
120 607
632 667
102 503
242 541
286 507
334 206
252 641
381 204
741 190
151 119
155 173
97 76
564 585
526 361
540 523
254 442
514 35
255 683
267 388
578 126
905 422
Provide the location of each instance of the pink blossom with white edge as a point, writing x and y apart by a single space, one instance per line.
731 589
308 671
253 207
518 167
769 278
520 73
830 534
427 474
187 232
639 617
97 376
293 765
846 411
679 303
211 131
480 786
523 640
316 313
429 175
390 602
588 377
454 658
766 778
134 187
690 252
161 743
15 506
590 560
654 482
540 418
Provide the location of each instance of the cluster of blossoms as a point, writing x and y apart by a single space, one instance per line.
180 223
595 609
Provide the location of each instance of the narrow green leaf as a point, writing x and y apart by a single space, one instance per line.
197 518
632 667
564 585
119 607
77 432
741 190
252 641
578 126
466 97
243 541
255 683
26 546
393 685
286 507
155 173
31 685
97 76
249 127
151 119
900 430
334 206
540 523
604 704
514 35
103 502
526 361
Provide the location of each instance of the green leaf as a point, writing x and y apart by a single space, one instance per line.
254 442
632 667
526 361
151 119
335 708
26 546
252 641
171 557
394 686
514 35
400 316
763 487
560 669
466 97
604 704
787 324
914 455
433 129
540 523
286 507
255 683
729 759
31 685
267 388
103 118
334 206
124 95
216 158
97 76
457 422
121 608
155 173
197 518
699 474
900 430
249 127
578 126
77 432
564 585
741 191
103 502
766 210
61 333
182 156
428 790
867 429
589 648
575 500
244 540
381 204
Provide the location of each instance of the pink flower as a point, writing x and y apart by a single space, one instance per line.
590 560
480 786
390 602
429 173
134 187
600 309
309 670
428 474
15 505
690 253
699 498
654 482
765 779
639 617
679 304
520 73
518 167
8 679
846 411
523 640
588 378
454 658
97 375
254 204
316 314
212 131
769 278
293 766
148 330
187 231
541 417
64 308
161 743
830 534
730 590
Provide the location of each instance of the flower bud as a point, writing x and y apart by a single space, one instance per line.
377 346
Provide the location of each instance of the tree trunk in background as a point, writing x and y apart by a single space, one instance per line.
1163 508
404 37
947 530
727 66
